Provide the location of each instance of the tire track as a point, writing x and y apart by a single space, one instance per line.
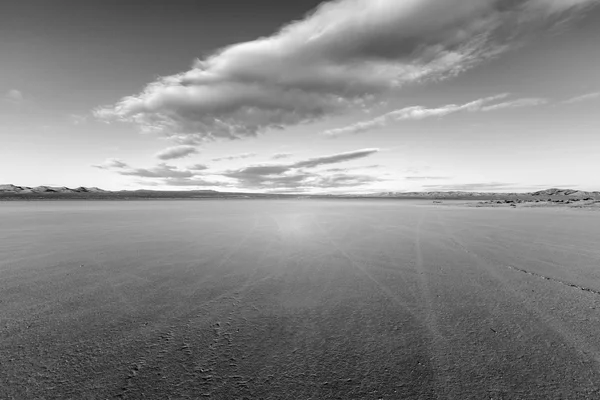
594 251
577 341
425 313
512 267
565 283
439 343
386 290
221 370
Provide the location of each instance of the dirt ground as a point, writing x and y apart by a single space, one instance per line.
297 299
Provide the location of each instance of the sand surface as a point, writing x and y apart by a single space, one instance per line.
301 299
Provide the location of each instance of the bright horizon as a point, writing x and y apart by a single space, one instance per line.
347 96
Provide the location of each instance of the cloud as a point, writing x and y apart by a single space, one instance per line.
419 112
426 178
190 182
111 163
375 166
585 97
235 157
527 102
484 187
335 158
279 156
411 113
301 180
344 181
175 152
161 170
14 96
345 54
197 167
77 119
297 175
257 173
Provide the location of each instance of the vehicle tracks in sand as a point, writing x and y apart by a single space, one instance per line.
592 252
440 347
568 335
383 288
424 309
548 278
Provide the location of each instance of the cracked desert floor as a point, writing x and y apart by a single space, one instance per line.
297 299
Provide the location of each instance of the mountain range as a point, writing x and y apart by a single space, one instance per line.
48 189
13 192
550 193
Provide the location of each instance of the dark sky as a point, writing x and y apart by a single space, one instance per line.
127 42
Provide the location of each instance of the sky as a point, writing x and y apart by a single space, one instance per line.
344 96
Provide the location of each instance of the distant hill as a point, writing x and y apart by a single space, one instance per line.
565 192
548 193
436 195
48 189
12 192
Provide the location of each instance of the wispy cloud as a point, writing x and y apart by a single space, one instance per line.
190 182
197 167
374 166
426 178
161 170
272 169
344 54
111 163
500 187
335 158
468 187
585 97
176 152
235 157
77 119
420 112
279 156
298 175
14 96
518 103
302 180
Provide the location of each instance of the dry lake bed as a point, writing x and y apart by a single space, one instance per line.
297 299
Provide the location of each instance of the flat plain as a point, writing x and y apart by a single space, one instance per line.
297 299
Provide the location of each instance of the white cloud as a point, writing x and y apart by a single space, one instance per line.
346 53
14 96
77 119
300 176
161 170
235 157
111 163
190 182
470 187
426 178
197 167
175 152
518 103
585 97
279 156
335 158
420 112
